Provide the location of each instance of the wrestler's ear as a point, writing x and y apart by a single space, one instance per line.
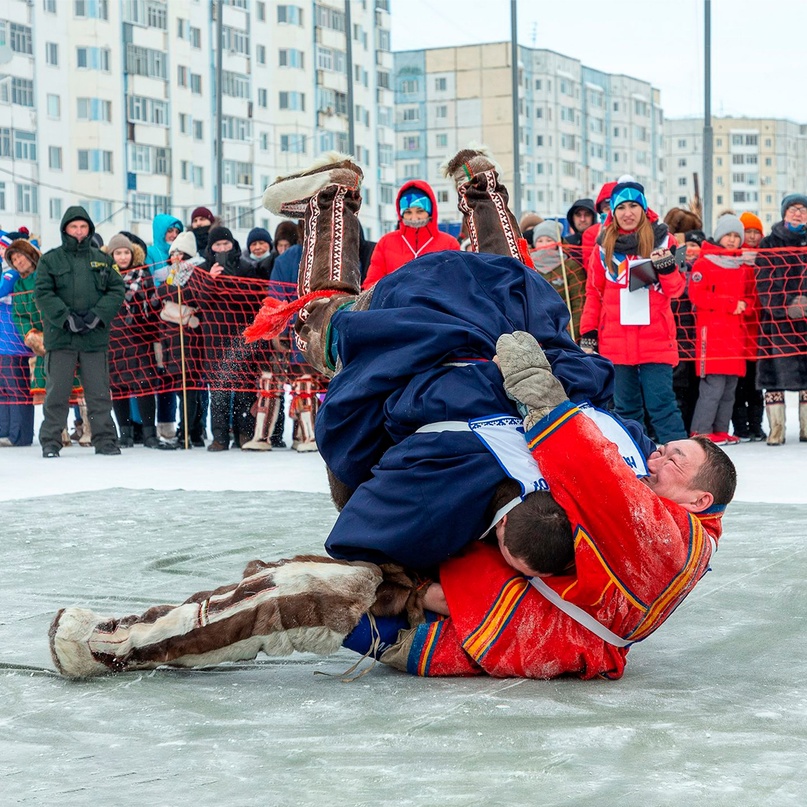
699 500
500 526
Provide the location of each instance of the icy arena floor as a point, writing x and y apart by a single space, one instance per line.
712 709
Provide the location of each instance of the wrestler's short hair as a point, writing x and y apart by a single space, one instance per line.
717 475
537 531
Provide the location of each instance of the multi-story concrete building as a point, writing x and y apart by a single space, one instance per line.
757 161
112 104
578 127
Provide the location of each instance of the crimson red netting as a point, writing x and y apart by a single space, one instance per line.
148 355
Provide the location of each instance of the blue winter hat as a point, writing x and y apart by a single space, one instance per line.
258 234
415 198
793 199
628 192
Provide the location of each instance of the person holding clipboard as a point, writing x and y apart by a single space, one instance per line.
632 277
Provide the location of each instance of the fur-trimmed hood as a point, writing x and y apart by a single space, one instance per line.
24 248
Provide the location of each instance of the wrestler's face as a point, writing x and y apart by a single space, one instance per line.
673 469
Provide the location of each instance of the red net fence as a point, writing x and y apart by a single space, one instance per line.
169 335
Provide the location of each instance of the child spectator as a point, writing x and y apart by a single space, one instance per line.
719 289
749 404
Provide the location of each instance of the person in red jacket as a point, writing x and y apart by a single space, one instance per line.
417 233
635 329
640 547
718 287
749 405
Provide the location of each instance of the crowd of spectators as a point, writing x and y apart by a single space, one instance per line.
705 333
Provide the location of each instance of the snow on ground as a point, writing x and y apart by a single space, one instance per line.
712 708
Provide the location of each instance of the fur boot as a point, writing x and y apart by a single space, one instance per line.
803 416
66 441
86 433
303 411
308 604
775 410
168 431
483 201
265 410
328 197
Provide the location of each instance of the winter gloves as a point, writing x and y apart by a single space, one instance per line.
528 378
81 323
663 261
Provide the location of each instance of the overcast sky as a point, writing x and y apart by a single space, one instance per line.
759 48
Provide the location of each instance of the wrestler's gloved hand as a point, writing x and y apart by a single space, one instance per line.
528 378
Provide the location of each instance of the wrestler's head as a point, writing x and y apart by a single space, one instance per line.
535 537
694 473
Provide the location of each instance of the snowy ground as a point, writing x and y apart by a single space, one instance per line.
712 708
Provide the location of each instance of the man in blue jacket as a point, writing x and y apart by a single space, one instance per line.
412 364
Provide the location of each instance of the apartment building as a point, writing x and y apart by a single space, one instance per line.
757 162
578 127
112 104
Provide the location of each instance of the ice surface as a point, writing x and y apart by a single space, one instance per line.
712 708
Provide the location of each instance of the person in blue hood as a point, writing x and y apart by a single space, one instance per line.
164 230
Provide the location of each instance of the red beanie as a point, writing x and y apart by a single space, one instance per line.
202 212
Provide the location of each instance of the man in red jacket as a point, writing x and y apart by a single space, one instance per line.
417 232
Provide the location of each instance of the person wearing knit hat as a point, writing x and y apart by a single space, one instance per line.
259 242
201 221
729 232
782 286
560 270
526 224
185 244
754 231
721 290
121 244
636 329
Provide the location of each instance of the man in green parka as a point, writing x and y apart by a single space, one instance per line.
79 293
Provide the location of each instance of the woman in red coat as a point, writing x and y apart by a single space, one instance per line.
635 329
718 288
417 233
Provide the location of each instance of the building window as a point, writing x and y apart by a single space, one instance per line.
441 141
55 158
146 62
233 128
293 143
290 15
682 200
195 36
27 199
198 130
411 143
49 6
54 106
148 110
682 181
289 57
260 11
55 209
441 111
409 86
410 114
292 100
682 162
263 98
682 144
94 58
92 9
182 75
2 195
19 38
95 160
94 109
196 84
22 91
235 85
260 54
441 84
235 40
52 54
24 145
326 18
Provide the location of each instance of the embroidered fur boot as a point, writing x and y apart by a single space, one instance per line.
483 201
308 604
328 197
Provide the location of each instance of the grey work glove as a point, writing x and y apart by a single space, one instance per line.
528 378
92 320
